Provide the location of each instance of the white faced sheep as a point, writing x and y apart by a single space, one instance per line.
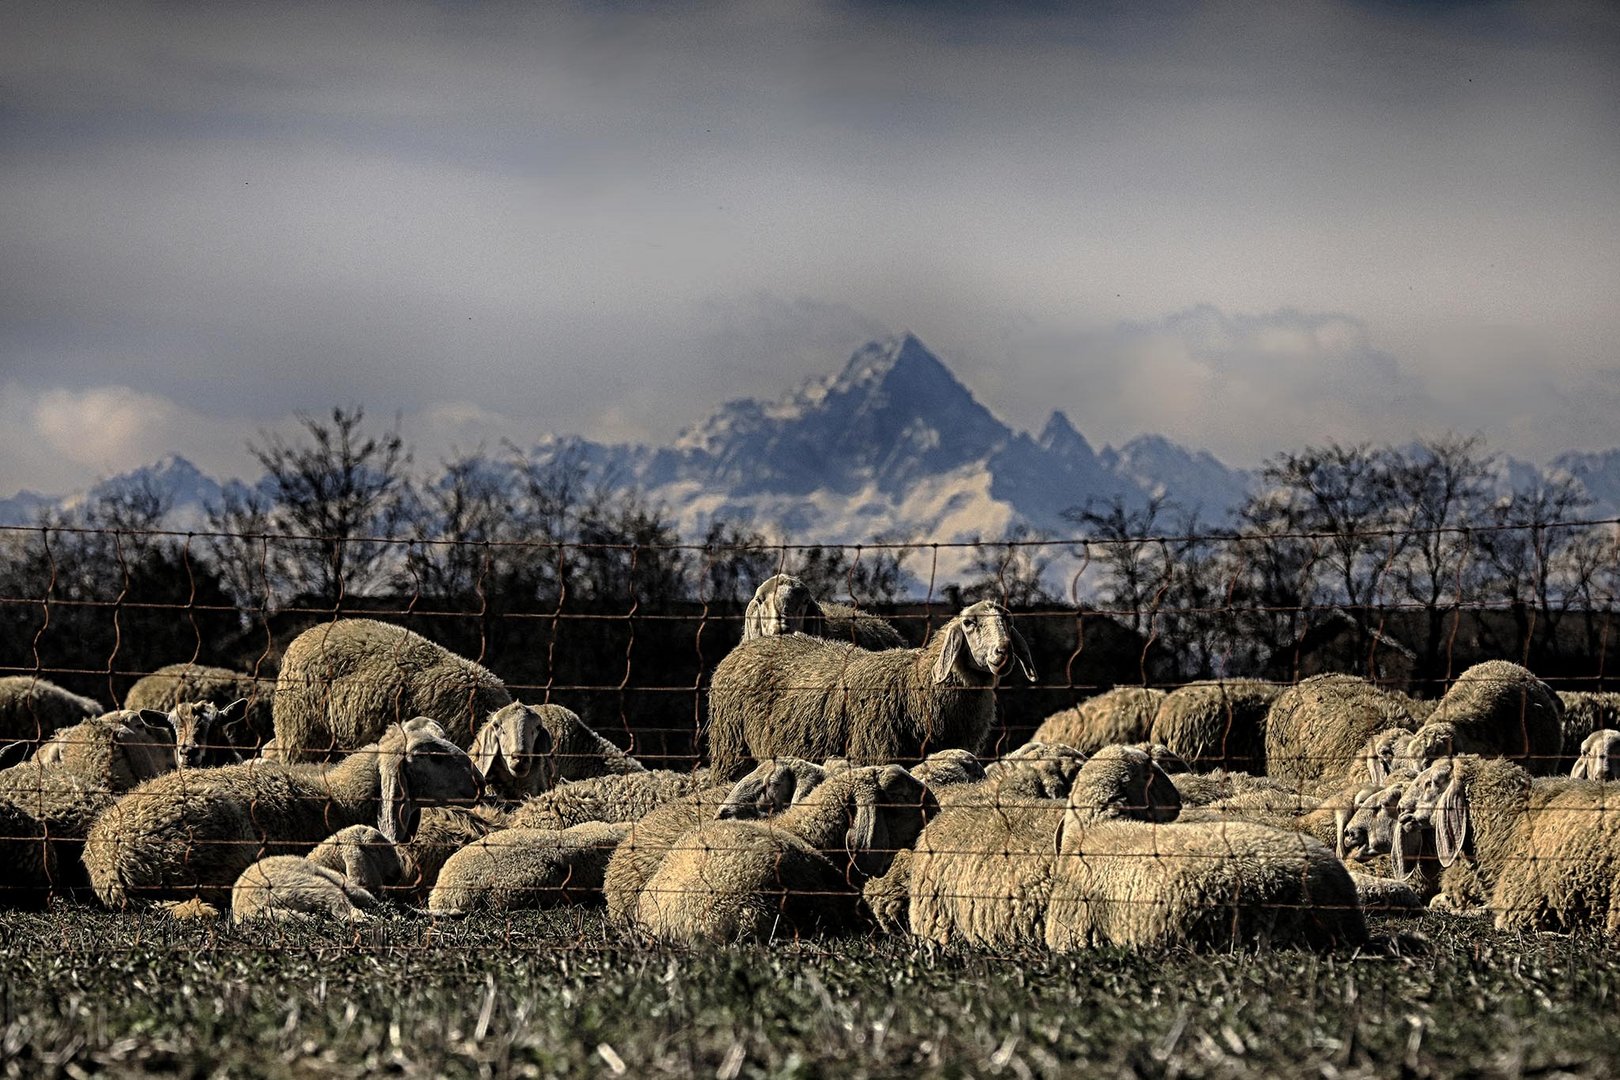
1500 708
515 869
1600 756
342 683
190 834
1128 874
200 732
1585 711
794 875
783 605
1543 854
31 709
1318 730
1216 724
252 723
548 745
815 699
363 855
1122 715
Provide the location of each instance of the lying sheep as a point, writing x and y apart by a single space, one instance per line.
190 834
616 797
440 833
199 729
1317 730
577 752
1122 715
783 605
291 887
1216 724
793 875
363 855
343 683
114 752
1600 757
1543 854
1585 711
523 750
815 699
518 868
639 854
1125 877
949 768
1034 771
1499 707
172 684
31 709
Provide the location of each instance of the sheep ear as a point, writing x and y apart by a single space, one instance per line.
1161 797
754 620
1377 769
866 842
950 653
1451 822
486 750
398 814
233 712
1021 651
152 718
1341 818
14 753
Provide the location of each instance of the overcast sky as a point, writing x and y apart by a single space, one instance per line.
1247 228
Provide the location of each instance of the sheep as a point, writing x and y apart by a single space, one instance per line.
199 730
1122 715
292 887
1542 853
1600 757
507 751
949 768
113 752
791 875
1216 724
527 868
616 797
1317 730
1128 874
1374 832
813 698
638 855
783 605
190 834
773 786
31 709
342 683
1035 771
1585 711
172 684
1202 789
577 752
1499 707
363 855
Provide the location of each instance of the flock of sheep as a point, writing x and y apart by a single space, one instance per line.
844 793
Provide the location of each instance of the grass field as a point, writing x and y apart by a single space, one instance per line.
541 994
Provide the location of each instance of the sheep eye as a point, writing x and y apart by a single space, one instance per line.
969 623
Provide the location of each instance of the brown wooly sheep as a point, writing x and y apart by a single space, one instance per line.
794 875
342 683
1585 711
1122 715
1318 730
190 834
515 869
1128 874
1216 724
815 699
1544 854
638 855
1499 707
783 605
523 750
199 727
172 684
31 709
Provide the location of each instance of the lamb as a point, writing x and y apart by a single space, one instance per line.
814 699
1600 756
199 727
1125 877
113 752
172 684
527 868
1317 731
292 887
363 855
1543 854
1499 707
1122 715
639 854
1585 711
791 875
783 605
31 709
190 834
343 683
1216 724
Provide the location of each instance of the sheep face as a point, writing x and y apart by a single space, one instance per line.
1383 754
887 810
781 605
513 745
1371 827
771 788
982 641
140 750
1437 802
1600 757
424 769
199 731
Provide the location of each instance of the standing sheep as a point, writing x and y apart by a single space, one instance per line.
783 605
1499 707
172 684
1216 724
1122 715
31 709
343 683
191 834
516 869
1123 878
1317 731
816 699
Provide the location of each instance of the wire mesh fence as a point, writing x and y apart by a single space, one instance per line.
1208 738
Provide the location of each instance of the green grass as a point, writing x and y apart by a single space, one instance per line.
540 994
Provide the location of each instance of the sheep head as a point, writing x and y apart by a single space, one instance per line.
781 605
1121 783
1437 801
944 768
199 731
512 745
772 787
1038 770
418 766
980 641
1383 755
887 809
1600 756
